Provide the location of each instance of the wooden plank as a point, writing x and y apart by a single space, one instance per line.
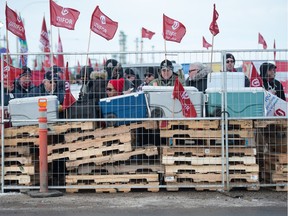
206 133
205 151
90 152
242 124
66 127
210 168
17 150
21 179
98 179
170 160
88 143
30 130
21 160
148 151
276 157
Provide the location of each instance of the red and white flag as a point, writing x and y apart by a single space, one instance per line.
255 78
146 33
180 93
214 29
63 17
10 73
103 25
173 30
60 57
69 99
44 37
262 41
205 43
14 23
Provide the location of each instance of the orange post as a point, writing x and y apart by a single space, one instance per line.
43 159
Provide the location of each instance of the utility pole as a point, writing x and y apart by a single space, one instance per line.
122 43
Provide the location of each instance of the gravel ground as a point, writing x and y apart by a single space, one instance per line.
162 199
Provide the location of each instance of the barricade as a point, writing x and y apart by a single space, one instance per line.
123 154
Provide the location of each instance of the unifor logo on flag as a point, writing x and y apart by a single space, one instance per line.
173 30
103 25
63 17
14 23
180 93
146 33
255 78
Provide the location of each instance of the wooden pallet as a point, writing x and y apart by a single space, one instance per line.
280 158
148 151
194 160
215 134
175 169
121 169
176 186
89 143
16 150
205 151
189 124
92 152
22 179
211 177
22 141
112 188
264 123
20 169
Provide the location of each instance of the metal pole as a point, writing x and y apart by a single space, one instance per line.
42 103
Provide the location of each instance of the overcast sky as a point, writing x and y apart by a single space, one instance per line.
239 23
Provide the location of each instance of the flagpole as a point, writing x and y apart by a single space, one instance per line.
51 58
85 70
212 49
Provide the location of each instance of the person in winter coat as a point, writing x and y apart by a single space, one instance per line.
166 77
23 85
49 87
114 69
267 73
198 73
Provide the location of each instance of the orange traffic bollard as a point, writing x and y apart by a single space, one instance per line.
42 103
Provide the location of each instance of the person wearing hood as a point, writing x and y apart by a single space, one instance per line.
198 73
114 69
166 77
267 73
23 85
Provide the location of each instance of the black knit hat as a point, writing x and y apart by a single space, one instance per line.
229 55
166 64
25 71
48 76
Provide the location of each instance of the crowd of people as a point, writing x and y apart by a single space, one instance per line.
113 80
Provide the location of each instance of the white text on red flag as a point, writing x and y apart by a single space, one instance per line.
63 17
173 30
103 25
14 23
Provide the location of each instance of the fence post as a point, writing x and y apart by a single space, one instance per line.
42 103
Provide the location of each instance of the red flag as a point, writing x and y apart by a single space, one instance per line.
214 29
10 73
274 47
173 30
60 57
102 24
44 37
179 92
262 41
63 17
205 43
255 78
147 34
69 99
78 67
14 23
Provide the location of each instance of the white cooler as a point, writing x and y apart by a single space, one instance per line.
28 109
162 104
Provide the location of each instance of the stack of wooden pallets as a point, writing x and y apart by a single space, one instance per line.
193 157
272 141
107 159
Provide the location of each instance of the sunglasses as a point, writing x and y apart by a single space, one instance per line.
193 70
148 75
229 61
109 89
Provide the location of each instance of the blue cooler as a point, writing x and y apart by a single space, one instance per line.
246 102
124 106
